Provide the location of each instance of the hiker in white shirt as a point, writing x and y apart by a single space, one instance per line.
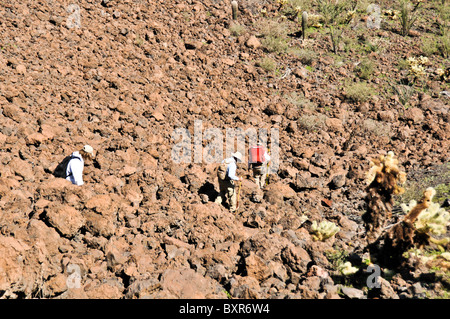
75 167
227 186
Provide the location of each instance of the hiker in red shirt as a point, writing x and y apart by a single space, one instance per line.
258 161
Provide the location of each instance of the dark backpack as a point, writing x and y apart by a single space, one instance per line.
61 169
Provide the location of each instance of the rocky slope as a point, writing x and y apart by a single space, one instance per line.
122 76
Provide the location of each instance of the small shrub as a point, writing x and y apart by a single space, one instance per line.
376 128
362 5
429 46
300 101
350 44
371 47
274 28
274 35
444 45
305 56
139 41
444 40
364 69
275 44
336 38
336 13
359 92
402 65
267 64
237 29
332 10
312 122
404 93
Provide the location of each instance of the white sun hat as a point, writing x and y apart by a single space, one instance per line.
238 156
88 149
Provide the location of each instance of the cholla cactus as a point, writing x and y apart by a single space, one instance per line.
297 10
303 219
417 66
350 14
347 269
315 20
383 179
433 219
393 14
383 166
282 2
443 75
425 202
323 230
423 218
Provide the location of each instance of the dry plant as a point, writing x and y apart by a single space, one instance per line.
376 128
415 230
312 122
387 245
383 181
359 92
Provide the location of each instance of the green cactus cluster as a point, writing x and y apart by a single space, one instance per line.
323 230
433 219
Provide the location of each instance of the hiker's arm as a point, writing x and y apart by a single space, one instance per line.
232 172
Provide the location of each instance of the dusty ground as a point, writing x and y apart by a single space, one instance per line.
123 75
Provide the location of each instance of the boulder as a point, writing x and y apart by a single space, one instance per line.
414 114
22 168
256 267
296 258
66 219
253 42
13 266
278 192
244 287
188 284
